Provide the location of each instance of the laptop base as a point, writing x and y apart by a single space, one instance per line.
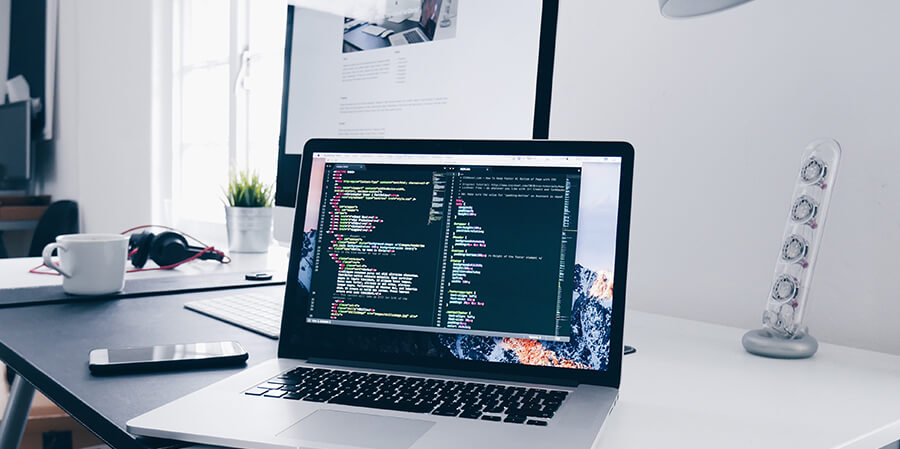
222 415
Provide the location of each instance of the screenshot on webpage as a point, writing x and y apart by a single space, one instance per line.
466 56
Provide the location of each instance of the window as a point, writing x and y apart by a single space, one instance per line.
227 77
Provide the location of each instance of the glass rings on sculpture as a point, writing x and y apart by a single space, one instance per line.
785 289
804 211
795 249
813 171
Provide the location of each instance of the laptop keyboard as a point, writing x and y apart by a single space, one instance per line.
470 400
412 37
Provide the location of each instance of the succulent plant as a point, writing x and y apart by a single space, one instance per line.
246 190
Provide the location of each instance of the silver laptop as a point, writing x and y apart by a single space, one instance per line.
442 294
428 22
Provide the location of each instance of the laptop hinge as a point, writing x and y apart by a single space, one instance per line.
443 372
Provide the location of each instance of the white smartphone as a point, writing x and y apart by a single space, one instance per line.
166 357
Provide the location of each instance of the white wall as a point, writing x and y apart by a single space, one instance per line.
104 155
718 109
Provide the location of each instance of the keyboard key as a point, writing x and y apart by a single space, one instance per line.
534 422
491 418
445 412
275 393
558 395
528 412
257 391
551 406
517 419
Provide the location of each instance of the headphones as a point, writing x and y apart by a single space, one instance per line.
168 249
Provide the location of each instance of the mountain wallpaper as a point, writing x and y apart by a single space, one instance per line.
587 349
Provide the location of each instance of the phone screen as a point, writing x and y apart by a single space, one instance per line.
173 352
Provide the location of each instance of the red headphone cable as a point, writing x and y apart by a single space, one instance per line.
206 249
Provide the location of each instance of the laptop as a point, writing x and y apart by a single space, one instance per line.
441 294
428 20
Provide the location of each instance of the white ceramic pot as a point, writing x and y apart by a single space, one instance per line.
249 229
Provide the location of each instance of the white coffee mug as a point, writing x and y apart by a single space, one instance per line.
91 264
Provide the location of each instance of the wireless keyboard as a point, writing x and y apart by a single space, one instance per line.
255 312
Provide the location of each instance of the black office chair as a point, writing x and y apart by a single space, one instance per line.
60 218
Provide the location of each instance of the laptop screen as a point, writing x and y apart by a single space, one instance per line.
492 258
431 10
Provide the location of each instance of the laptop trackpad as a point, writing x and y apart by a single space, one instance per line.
358 429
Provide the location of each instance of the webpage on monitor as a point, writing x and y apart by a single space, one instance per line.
473 75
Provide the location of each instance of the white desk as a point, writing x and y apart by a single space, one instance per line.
692 385
14 272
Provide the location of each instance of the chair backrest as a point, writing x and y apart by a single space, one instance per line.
60 218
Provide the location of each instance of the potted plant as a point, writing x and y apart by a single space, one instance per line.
248 213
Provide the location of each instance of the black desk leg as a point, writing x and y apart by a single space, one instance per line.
3 253
16 415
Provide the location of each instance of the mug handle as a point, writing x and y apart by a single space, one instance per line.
48 262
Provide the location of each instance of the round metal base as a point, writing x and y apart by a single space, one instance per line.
693 8
763 343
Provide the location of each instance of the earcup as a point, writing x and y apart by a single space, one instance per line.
140 242
169 248
166 249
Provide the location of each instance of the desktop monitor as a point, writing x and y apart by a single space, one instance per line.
485 72
15 144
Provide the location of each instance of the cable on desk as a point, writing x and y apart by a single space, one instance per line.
206 249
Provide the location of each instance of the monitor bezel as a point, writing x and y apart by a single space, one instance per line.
293 344
25 105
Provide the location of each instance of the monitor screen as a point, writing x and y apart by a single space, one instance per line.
490 258
462 69
15 143
431 12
